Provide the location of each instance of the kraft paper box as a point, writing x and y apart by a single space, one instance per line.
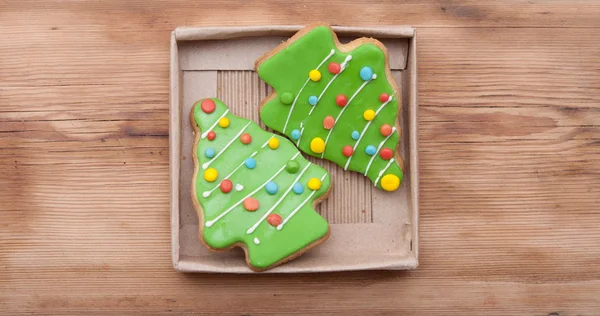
370 229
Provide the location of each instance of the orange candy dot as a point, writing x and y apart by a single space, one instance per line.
384 97
341 100
208 106
274 219
334 68
226 186
385 130
211 135
347 151
246 138
251 204
386 154
328 122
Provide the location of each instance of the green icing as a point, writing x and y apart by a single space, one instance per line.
287 72
303 228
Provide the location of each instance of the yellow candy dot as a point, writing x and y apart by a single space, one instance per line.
317 145
314 184
224 122
369 115
273 143
390 182
211 174
314 75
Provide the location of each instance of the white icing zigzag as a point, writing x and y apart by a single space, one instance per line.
251 229
378 149
382 171
364 130
206 164
300 92
211 222
299 206
344 108
203 136
342 67
208 193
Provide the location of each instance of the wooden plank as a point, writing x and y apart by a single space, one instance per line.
156 16
306 295
510 162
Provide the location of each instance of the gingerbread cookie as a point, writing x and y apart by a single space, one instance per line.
253 189
337 102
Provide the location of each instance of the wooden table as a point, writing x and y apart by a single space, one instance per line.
510 161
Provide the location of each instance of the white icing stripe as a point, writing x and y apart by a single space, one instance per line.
203 136
365 129
299 138
382 171
301 132
331 52
378 149
280 226
342 67
251 229
211 222
287 120
208 193
344 108
267 142
206 164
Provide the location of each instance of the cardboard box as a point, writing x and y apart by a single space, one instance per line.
370 229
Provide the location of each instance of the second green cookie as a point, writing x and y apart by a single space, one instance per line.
336 102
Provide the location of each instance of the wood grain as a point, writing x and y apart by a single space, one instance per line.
510 162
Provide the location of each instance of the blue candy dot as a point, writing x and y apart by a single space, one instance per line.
210 152
271 187
370 150
355 135
298 188
250 163
296 134
313 100
366 73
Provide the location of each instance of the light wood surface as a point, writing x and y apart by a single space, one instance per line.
510 161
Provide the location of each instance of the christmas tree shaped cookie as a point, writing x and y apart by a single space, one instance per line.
253 189
337 102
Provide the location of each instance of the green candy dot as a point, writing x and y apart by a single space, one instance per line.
286 98
292 166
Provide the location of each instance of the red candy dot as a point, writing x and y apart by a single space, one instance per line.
385 130
226 186
384 97
347 151
208 106
386 154
211 135
328 122
246 138
341 100
334 68
274 219
251 204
